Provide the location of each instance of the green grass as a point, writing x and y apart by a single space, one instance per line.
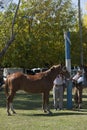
31 117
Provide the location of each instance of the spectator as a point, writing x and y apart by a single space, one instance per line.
58 91
78 87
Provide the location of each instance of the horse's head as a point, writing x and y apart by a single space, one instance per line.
65 72
57 69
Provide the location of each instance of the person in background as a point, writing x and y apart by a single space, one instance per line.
78 87
58 91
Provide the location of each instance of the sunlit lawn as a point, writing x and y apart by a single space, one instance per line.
31 117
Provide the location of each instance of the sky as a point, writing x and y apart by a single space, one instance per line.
83 4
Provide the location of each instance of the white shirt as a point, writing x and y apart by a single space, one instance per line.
78 78
58 80
81 79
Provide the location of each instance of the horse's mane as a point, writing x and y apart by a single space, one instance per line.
41 75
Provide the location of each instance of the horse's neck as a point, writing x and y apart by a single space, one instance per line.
52 75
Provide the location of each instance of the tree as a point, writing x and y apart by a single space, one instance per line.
84 37
12 37
75 46
39 27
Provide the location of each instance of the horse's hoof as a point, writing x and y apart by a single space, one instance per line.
9 114
45 111
50 113
14 112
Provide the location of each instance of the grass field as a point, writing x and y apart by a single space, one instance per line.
31 117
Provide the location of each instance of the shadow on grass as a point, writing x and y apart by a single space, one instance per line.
62 113
25 101
2 99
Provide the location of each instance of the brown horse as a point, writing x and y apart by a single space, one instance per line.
38 83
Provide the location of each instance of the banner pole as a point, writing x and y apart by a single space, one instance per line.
68 65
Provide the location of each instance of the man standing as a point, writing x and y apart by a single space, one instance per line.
58 91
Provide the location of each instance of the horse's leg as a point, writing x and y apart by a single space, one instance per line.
80 97
8 106
9 103
12 109
47 102
43 102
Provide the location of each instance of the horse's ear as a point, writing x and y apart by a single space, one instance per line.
64 68
52 68
61 65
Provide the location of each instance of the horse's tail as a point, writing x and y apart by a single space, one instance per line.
6 86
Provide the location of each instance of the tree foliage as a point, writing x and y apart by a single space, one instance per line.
40 26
